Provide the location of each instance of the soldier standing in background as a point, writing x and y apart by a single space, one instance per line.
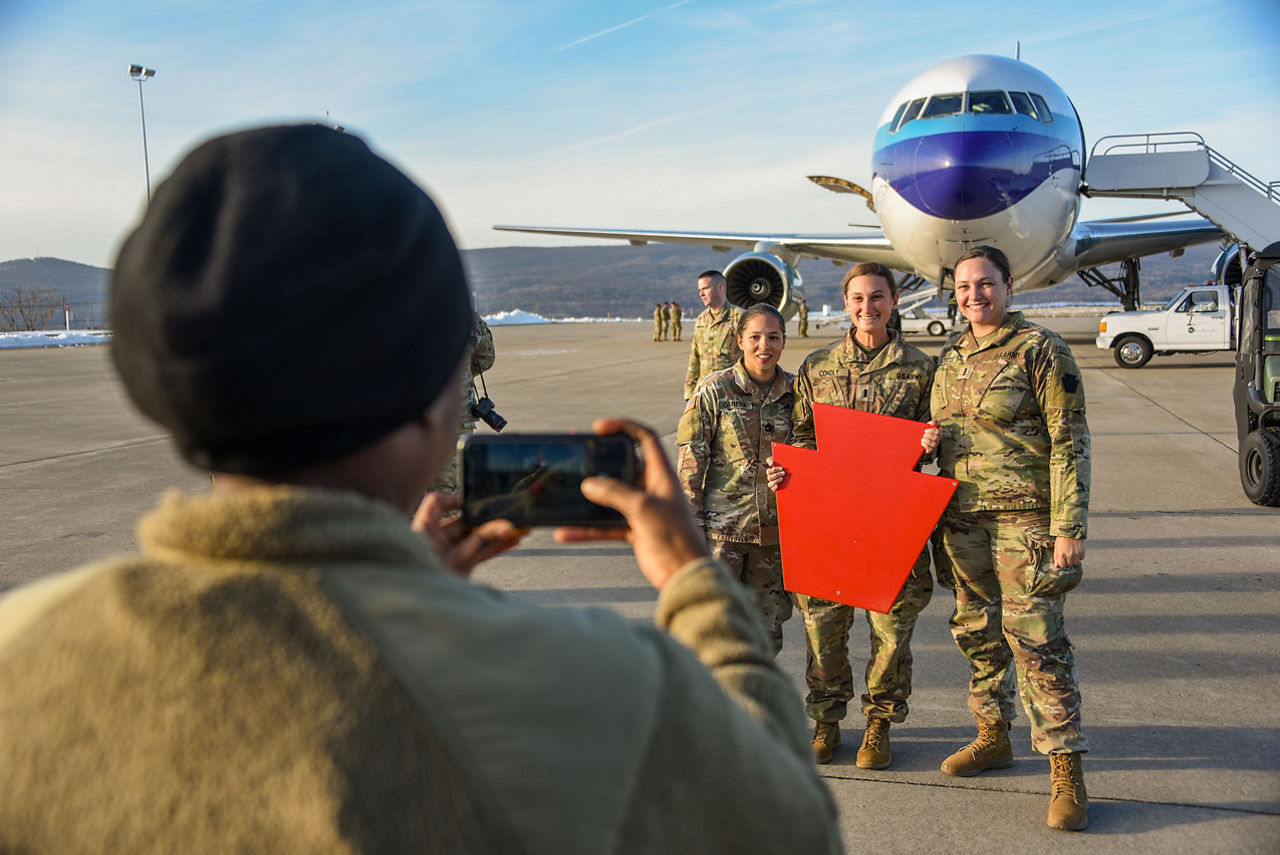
676 320
664 319
1009 403
803 322
482 358
872 369
715 339
725 434
657 322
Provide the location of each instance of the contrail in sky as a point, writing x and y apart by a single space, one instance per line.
619 27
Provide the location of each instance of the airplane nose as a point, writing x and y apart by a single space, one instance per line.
962 174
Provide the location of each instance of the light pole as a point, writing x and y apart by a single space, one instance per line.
140 74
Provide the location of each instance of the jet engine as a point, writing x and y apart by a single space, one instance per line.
762 277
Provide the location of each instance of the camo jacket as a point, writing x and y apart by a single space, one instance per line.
482 358
895 383
715 345
724 436
1014 434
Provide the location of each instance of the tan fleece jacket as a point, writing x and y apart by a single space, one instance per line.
288 670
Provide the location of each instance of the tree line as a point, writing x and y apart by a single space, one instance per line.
29 309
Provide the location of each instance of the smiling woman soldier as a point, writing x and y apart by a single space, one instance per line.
727 430
1009 405
874 370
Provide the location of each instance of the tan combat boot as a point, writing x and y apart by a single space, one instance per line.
991 750
874 753
826 737
1068 801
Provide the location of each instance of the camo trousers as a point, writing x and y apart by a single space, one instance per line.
760 569
1009 616
829 676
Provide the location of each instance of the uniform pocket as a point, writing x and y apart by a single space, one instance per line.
1047 580
942 569
835 390
1008 393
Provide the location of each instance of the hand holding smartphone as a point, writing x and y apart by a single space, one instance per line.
535 479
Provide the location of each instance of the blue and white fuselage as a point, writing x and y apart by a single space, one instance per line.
976 150
980 149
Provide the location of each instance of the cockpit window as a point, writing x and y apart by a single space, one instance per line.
1046 115
897 117
992 101
943 105
912 112
1022 103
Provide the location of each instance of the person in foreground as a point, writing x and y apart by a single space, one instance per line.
874 370
725 435
1009 408
291 664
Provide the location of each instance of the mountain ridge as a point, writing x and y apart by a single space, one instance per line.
595 281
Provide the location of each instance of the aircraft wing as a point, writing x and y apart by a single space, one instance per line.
1109 241
866 244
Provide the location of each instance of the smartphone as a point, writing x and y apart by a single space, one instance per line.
535 479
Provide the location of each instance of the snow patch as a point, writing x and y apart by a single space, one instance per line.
517 317
53 338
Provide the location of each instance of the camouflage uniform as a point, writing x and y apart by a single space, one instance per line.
894 383
673 317
657 322
715 345
481 360
803 322
727 430
1011 412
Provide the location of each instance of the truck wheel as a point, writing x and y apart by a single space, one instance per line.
1260 467
1132 352
935 328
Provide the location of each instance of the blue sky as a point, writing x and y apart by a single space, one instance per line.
687 114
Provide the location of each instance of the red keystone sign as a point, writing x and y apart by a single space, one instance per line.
854 515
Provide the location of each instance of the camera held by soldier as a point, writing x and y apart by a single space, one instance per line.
484 411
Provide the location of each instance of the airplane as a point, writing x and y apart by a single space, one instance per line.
977 150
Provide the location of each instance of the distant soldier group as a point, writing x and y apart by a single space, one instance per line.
667 320
1009 546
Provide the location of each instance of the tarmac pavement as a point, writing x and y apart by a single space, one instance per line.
1176 625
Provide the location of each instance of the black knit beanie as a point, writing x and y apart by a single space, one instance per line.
289 297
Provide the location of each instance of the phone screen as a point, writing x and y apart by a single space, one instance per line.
534 479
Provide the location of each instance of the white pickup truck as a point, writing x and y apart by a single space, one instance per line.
1198 319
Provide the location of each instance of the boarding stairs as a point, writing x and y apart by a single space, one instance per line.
1180 166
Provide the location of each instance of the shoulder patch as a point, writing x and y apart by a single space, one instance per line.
1070 382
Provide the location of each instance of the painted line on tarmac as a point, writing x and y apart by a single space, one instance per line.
133 443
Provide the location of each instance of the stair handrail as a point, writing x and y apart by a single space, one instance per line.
1152 143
